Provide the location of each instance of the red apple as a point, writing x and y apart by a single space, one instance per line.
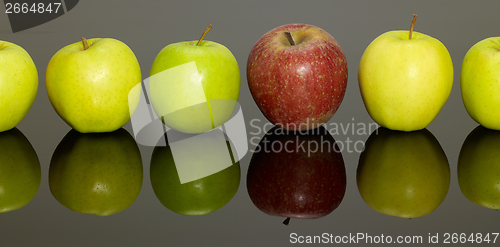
297 175
297 74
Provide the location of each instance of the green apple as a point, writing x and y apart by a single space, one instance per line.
479 168
20 172
405 81
18 84
98 173
403 174
194 85
480 82
94 85
198 197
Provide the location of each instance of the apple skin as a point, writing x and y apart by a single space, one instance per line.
301 86
94 90
405 83
20 172
218 71
478 168
297 182
480 82
98 173
403 174
18 84
200 197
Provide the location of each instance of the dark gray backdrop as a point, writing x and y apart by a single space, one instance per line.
147 26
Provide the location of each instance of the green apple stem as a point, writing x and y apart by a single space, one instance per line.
286 221
412 25
289 37
85 44
204 33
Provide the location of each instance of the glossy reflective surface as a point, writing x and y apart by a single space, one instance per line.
209 188
20 173
403 174
297 174
479 167
98 173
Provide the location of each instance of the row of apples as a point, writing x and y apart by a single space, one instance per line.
297 75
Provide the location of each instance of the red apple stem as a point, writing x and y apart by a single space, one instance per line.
286 221
412 25
204 33
289 37
85 44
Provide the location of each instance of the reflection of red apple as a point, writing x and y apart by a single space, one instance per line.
298 80
297 175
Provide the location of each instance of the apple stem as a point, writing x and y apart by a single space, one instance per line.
412 25
85 44
289 37
286 221
203 35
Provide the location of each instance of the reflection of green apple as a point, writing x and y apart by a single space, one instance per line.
403 174
93 84
18 84
480 82
199 197
98 173
405 81
194 87
20 172
479 168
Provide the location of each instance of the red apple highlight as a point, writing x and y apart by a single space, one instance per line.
297 74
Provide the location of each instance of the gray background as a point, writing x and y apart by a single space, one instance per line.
147 26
